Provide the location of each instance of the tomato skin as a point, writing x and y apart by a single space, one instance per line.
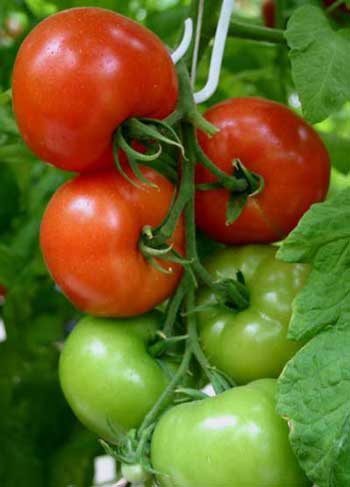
269 13
234 439
251 344
107 375
274 142
2 291
78 75
89 237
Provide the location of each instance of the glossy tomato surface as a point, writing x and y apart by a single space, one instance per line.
107 375
275 143
78 75
234 439
251 344
90 235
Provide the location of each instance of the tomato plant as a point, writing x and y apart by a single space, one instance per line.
107 375
90 235
252 343
97 93
96 57
271 140
233 437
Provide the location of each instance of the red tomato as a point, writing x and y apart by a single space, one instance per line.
2 292
89 238
274 142
78 75
269 13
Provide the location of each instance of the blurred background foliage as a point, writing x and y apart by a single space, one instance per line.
41 444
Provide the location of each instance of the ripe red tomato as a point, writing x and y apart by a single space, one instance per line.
274 142
89 238
78 75
269 13
2 292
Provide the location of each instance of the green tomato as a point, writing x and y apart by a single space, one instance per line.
107 375
234 439
251 344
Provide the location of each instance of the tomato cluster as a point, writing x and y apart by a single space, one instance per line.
80 75
90 230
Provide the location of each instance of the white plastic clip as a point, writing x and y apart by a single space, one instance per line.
197 42
185 43
217 53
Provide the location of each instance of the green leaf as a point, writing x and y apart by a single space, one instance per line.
322 238
313 394
339 150
41 8
320 58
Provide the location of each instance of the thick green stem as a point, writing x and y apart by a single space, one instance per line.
163 233
229 182
165 397
193 334
253 32
186 109
233 293
174 306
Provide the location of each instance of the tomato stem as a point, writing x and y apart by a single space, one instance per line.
252 32
160 347
186 109
227 181
165 397
230 292
174 306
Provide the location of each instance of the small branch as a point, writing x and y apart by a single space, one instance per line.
252 32
165 397
334 6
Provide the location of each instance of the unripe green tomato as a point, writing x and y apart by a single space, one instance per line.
107 375
234 439
251 344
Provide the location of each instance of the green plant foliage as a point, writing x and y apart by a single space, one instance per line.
320 57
